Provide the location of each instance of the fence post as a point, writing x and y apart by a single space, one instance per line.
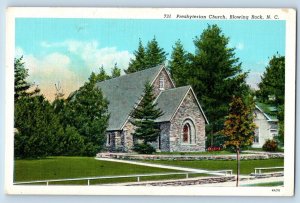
187 175
138 179
88 181
47 183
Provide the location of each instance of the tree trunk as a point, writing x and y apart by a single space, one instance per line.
238 166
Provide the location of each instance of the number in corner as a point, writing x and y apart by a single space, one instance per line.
167 15
275 190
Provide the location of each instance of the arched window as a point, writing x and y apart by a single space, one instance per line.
186 133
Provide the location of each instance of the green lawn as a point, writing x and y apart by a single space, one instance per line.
247 166
279 183
76 167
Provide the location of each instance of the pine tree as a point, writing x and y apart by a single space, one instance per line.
21 85
215 74
88 113
138 63
147 57
273 81
116 72
179 65
272 85
37 128
154 54
144 116
99 77
239 127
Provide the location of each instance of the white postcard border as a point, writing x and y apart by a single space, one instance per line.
289 15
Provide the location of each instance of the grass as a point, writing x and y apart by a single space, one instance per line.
247 166
75 167
271 184
197 153
261 150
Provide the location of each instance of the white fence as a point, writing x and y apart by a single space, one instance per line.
137 176
259 171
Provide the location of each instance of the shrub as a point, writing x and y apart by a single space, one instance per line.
270 146
143 148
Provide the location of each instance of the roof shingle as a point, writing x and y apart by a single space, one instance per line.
124 92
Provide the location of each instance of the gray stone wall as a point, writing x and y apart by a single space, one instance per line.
165 136
168 83
171 157
116 141
128 129
185 182
188 110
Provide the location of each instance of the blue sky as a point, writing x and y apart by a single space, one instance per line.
67 50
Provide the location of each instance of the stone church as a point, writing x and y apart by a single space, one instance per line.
182 124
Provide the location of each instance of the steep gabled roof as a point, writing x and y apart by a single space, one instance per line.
169 101
124 92
270 112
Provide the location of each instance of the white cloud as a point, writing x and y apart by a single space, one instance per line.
51 69
253 79
240 46
19 52
93 55
71 64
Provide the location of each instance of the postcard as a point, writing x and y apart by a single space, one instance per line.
150 101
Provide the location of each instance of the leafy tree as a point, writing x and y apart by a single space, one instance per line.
37 127
147 130
87 111
272 82
116 72
154 54
139 62
215 75
239 127
179 64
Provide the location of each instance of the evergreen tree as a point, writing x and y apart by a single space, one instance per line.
154 54
272 85
37 128
116 72
215 75
179 65
239 127
87 111
101 76
147 57
144 116
273 81
21 85
138 63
